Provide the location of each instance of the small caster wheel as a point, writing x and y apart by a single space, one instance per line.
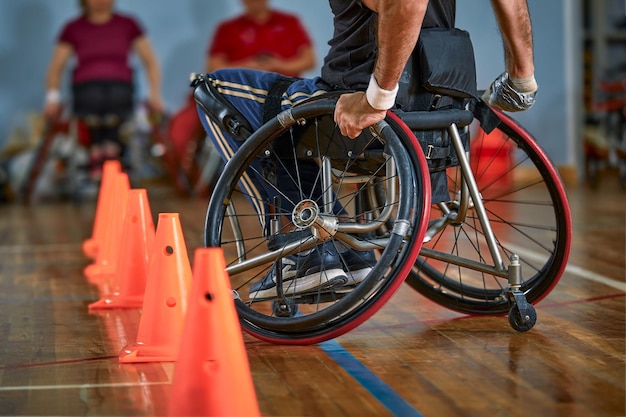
284 309
519 323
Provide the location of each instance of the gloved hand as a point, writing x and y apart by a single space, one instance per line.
506 94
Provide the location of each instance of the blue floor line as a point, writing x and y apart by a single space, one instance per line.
378 388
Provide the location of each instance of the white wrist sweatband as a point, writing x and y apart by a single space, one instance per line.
53 96
378 98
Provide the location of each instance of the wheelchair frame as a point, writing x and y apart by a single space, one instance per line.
516 295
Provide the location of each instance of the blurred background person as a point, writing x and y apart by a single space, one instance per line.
102 83
262 38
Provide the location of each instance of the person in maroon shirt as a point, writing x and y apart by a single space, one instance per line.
101 41
263 39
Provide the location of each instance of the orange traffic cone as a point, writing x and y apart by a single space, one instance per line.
92 245
212 375
131 272
165 299
105 263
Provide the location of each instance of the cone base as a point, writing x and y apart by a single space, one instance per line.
114 301
143 354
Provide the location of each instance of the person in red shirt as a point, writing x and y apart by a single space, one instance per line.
260 38
263 39
101 41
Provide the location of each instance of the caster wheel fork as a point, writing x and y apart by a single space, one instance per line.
522 315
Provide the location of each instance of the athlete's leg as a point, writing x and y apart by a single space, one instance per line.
247 90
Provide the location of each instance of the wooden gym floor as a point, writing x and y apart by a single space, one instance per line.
413 358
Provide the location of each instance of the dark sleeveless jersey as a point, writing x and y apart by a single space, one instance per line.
350 61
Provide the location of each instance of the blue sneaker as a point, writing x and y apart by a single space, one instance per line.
323 268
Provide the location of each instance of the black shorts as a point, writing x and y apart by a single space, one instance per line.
103 98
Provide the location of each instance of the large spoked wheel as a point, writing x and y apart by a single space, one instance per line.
527 207
352 211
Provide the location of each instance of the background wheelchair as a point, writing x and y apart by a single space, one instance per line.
475 252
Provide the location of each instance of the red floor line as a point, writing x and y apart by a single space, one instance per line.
584 300
52 363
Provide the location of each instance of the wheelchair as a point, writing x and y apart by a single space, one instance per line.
496 244
150 152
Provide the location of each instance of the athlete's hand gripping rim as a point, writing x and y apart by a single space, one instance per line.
353 113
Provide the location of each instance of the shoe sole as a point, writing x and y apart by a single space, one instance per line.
323 279
355 277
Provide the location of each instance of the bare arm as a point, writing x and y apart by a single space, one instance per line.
144 50
514 23
215 62
60 56
219 61
304 60
516 87
399 24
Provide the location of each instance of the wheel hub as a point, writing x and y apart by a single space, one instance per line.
305 213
